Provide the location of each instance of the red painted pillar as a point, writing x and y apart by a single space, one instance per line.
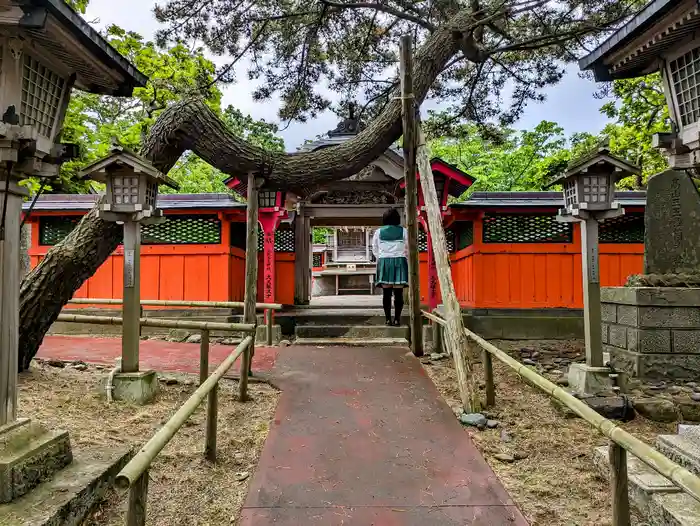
433 282
269 222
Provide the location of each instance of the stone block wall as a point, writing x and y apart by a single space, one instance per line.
653 333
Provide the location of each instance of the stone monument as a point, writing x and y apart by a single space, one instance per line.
652 328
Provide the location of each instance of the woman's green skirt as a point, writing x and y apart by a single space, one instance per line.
392 272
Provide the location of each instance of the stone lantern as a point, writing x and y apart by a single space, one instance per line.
132 190
589 197
46 49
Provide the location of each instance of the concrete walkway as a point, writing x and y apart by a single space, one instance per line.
362 437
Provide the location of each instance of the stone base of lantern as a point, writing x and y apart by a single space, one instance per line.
29 455
653 333
588 380
139 388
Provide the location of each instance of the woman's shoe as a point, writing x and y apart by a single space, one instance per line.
389 323
397 323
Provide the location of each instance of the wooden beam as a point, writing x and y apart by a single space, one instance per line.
251 281
455 340
408 110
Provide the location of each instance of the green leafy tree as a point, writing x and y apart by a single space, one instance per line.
78 5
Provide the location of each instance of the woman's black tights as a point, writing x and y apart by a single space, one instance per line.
398 301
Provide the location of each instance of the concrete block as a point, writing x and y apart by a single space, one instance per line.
29 455
358 331
643 481
589 380
685 341
684 450
140 387
674 509
619 295
669 317
652 366
608 312
71 494
605 332
655 296
618 336
649 340
627 315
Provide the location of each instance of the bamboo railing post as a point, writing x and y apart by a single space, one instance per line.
204 357
619 485
488 378
411 205
212 400
138 497
251 281
438 344
270 320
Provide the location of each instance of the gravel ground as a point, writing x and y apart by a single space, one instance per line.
556 484
184 489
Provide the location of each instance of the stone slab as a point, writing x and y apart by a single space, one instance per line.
352 342
71 494
644 482
686 341
589 380
357 331
671 224
649 340
140 387
681 449
674 509
651 296
669 317
653 366
29 455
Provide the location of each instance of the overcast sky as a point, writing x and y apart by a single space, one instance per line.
570 103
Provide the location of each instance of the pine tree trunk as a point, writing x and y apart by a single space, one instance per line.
47 288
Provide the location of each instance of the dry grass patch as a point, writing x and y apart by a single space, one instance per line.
184 489
557 483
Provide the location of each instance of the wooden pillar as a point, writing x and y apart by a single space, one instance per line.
411 201
269 225
302 271
251 279
433 281
11 195
131 309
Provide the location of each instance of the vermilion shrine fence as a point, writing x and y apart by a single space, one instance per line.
507 251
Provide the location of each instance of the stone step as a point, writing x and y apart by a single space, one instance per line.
71 494
682 449
644 482
350 331
351 342
674 509
350 317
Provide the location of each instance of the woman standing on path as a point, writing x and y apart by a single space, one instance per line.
390 247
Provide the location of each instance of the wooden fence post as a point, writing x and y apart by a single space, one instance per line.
212 400
438 345
204 357
138 497
619 485
270 320
251 281
488 378
411 204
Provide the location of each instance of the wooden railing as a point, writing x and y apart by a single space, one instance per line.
134 476
269 308
621 441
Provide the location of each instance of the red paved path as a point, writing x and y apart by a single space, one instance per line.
154 354
361 437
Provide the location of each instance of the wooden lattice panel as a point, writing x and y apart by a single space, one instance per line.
41 95
52 230
530 228
464 234
423 240
628 228
183 230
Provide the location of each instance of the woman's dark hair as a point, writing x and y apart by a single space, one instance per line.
391 217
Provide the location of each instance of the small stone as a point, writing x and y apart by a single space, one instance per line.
242 475
505 436
168 380
562 380
520 455
195 338
528 361
534 354
473 419
674 389
492 424
80 367
99 367
657 387
695 397
188 381
285 343
232 341
692 385
437 356
504 457
56 363
656 409
696 388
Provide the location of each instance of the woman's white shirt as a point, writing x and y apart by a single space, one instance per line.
390 249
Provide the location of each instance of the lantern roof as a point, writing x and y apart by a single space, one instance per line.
600 156
66 39
120 157
634 49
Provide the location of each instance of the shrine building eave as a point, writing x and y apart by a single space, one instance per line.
65 39
637 48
